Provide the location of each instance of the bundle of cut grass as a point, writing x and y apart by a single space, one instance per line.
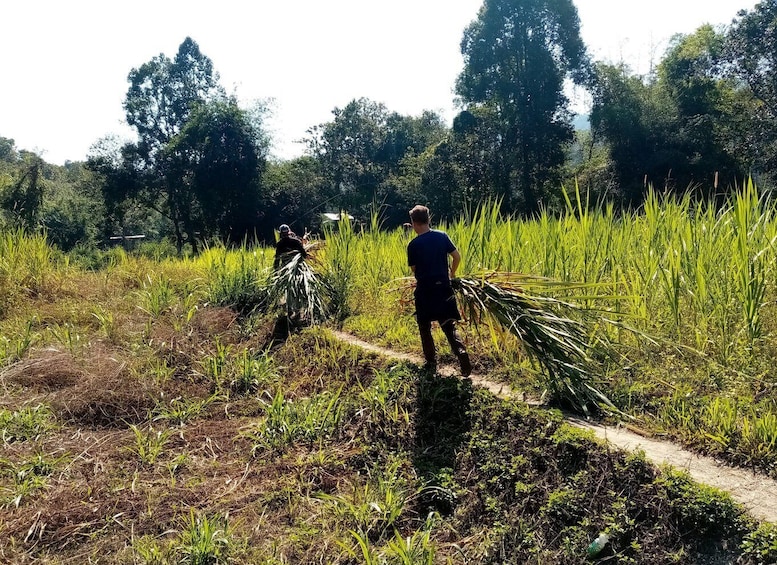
296 287
557 334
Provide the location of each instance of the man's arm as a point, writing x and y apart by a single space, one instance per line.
301 248
455 260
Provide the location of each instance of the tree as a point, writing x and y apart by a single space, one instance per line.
706 109
634 116
22 197
198 157
118 173
161 98
72 208
362 152
164 93
751 57
216 160
293 194
7 150
517 54
679 128
462 167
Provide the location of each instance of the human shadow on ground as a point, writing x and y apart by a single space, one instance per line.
442 424
282 328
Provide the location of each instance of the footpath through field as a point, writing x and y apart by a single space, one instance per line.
755 491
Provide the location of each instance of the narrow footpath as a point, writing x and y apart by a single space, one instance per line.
754 491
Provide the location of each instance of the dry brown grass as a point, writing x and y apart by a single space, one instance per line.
101 495
96 390
47 371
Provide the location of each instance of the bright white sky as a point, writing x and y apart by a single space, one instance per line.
65 63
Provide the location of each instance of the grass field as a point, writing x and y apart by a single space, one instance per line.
156 411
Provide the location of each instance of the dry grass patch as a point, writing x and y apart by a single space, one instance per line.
47 371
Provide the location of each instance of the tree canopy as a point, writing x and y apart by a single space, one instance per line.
198 158
704 118
517 55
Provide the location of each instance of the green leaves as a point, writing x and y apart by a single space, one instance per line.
517 55
555 333
297 288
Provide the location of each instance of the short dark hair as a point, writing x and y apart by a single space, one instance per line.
420 214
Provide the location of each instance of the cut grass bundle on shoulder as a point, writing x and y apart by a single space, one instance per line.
555 333
304 293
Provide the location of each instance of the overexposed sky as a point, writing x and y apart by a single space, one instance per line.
64 64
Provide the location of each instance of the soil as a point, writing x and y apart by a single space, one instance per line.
755 491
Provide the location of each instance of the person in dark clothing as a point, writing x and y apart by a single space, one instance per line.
287 244
427 256
286 248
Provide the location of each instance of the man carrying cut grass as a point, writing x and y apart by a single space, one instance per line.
289 252
427 256
288 244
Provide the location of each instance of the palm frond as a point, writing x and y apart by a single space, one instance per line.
556 333
297 288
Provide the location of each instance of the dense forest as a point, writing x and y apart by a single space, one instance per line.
702 121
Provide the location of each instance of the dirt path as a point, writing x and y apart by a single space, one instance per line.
756 492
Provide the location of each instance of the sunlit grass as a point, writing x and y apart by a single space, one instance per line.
309 450
287 421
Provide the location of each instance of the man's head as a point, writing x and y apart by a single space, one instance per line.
420 215
284 230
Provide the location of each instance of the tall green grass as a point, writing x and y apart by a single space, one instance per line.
28 266
698 275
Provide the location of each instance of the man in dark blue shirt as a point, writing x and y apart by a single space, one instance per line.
427 256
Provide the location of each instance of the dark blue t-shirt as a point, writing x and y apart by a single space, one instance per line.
428 252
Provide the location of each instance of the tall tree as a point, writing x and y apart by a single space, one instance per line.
517 55
22 198
460 171
293 194
678 129
707 106
751 54
198 156
362 151
164 93
635 118
217 161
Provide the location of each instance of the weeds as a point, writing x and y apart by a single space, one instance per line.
374 508
29 477
26 423
215 365
760 546
252 371
107 323
156 296
203 540
236 279
180 410
14 348
149 444
287 421
68 336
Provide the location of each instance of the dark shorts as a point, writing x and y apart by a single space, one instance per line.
435 302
